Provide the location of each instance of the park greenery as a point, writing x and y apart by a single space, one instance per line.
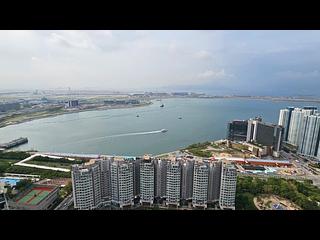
44 173
7 159
66 190
198 149
54 162
304 194
14 155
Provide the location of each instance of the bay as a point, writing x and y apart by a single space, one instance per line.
121 132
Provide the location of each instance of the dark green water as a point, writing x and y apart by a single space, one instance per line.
120 132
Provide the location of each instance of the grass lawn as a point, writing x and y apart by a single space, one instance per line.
51 164
5 164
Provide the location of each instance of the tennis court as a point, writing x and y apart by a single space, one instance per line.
34 196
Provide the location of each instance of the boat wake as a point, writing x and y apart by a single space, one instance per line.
121 135
132 134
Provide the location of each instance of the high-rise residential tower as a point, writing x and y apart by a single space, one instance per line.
105 173
284 121
173 182
86 182
122 182
160 187
309 142
214 181
147 170
296 124
136 175
187 178
228 186
200 184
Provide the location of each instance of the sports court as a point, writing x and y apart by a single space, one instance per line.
34 196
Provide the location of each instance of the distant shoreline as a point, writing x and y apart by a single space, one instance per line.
49 115
43 115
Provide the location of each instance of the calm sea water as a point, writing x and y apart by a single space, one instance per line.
119 131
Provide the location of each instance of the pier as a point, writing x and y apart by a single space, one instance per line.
14 143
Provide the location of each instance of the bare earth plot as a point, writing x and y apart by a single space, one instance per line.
274 202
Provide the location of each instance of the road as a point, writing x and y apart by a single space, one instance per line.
66 203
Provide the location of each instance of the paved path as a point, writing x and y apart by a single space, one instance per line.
24 164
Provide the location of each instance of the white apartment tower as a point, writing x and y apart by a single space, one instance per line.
228 186
173 182
200 184
309 142
147 180
284 121
296 124
187 166
122 182
86 182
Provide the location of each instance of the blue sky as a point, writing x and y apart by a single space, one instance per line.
218 62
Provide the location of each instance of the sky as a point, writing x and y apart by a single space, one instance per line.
282 63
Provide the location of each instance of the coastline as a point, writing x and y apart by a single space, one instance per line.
48 114
55 114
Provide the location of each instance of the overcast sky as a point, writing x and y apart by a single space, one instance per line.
219 62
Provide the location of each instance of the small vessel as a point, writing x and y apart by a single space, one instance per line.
137 116
180 117
161 105
164 130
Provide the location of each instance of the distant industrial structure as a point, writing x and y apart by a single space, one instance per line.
8 106
122 102
72 104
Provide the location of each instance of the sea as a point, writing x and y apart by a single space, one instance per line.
138 131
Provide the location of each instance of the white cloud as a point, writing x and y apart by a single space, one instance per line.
203 54
151 59
72 39
213 74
